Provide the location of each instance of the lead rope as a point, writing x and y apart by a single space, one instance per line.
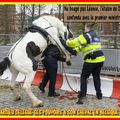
67 94
63 71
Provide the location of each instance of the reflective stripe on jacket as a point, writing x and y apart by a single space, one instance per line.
88 43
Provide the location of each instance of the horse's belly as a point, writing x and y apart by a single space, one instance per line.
20 57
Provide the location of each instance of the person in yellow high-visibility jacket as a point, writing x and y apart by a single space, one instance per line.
89 43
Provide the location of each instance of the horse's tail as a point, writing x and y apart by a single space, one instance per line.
4 64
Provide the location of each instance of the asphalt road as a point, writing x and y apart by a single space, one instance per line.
91 103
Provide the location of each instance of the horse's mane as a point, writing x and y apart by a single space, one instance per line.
51 18
54 21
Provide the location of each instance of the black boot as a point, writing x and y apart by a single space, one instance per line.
41 88
99 96
79 101
53 94
81 95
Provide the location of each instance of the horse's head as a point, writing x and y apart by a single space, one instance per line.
65 32
68 34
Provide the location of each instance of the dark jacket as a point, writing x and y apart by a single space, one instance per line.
54 52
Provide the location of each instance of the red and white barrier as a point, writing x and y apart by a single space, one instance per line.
110 87
74 81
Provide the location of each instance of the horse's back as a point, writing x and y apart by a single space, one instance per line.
45 21
36 38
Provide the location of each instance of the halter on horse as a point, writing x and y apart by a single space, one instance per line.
21 55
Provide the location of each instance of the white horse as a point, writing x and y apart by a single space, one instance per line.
21 56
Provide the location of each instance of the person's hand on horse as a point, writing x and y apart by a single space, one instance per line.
74 52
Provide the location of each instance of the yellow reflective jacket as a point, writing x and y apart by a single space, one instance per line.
90 44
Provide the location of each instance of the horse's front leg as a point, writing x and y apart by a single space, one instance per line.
68 60
27 87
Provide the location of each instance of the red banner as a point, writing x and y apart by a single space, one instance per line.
60 1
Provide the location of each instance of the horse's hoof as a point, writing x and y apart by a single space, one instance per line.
17 98
38 104
68 62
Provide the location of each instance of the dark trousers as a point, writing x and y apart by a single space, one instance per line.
51 67
94 69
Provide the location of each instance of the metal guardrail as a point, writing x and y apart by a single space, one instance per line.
108 41
9 39
111 41
111 65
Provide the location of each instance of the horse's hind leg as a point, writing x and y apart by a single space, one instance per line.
27 86
13 86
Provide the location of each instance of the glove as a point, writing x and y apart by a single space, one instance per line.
74 52
78 49
68 63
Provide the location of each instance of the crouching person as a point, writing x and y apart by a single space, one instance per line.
51 57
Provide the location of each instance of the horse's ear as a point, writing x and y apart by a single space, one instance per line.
68 27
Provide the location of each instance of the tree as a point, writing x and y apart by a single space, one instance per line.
40 8
6 21
26 14
115 29
60 12
22 18
34 11
7 15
